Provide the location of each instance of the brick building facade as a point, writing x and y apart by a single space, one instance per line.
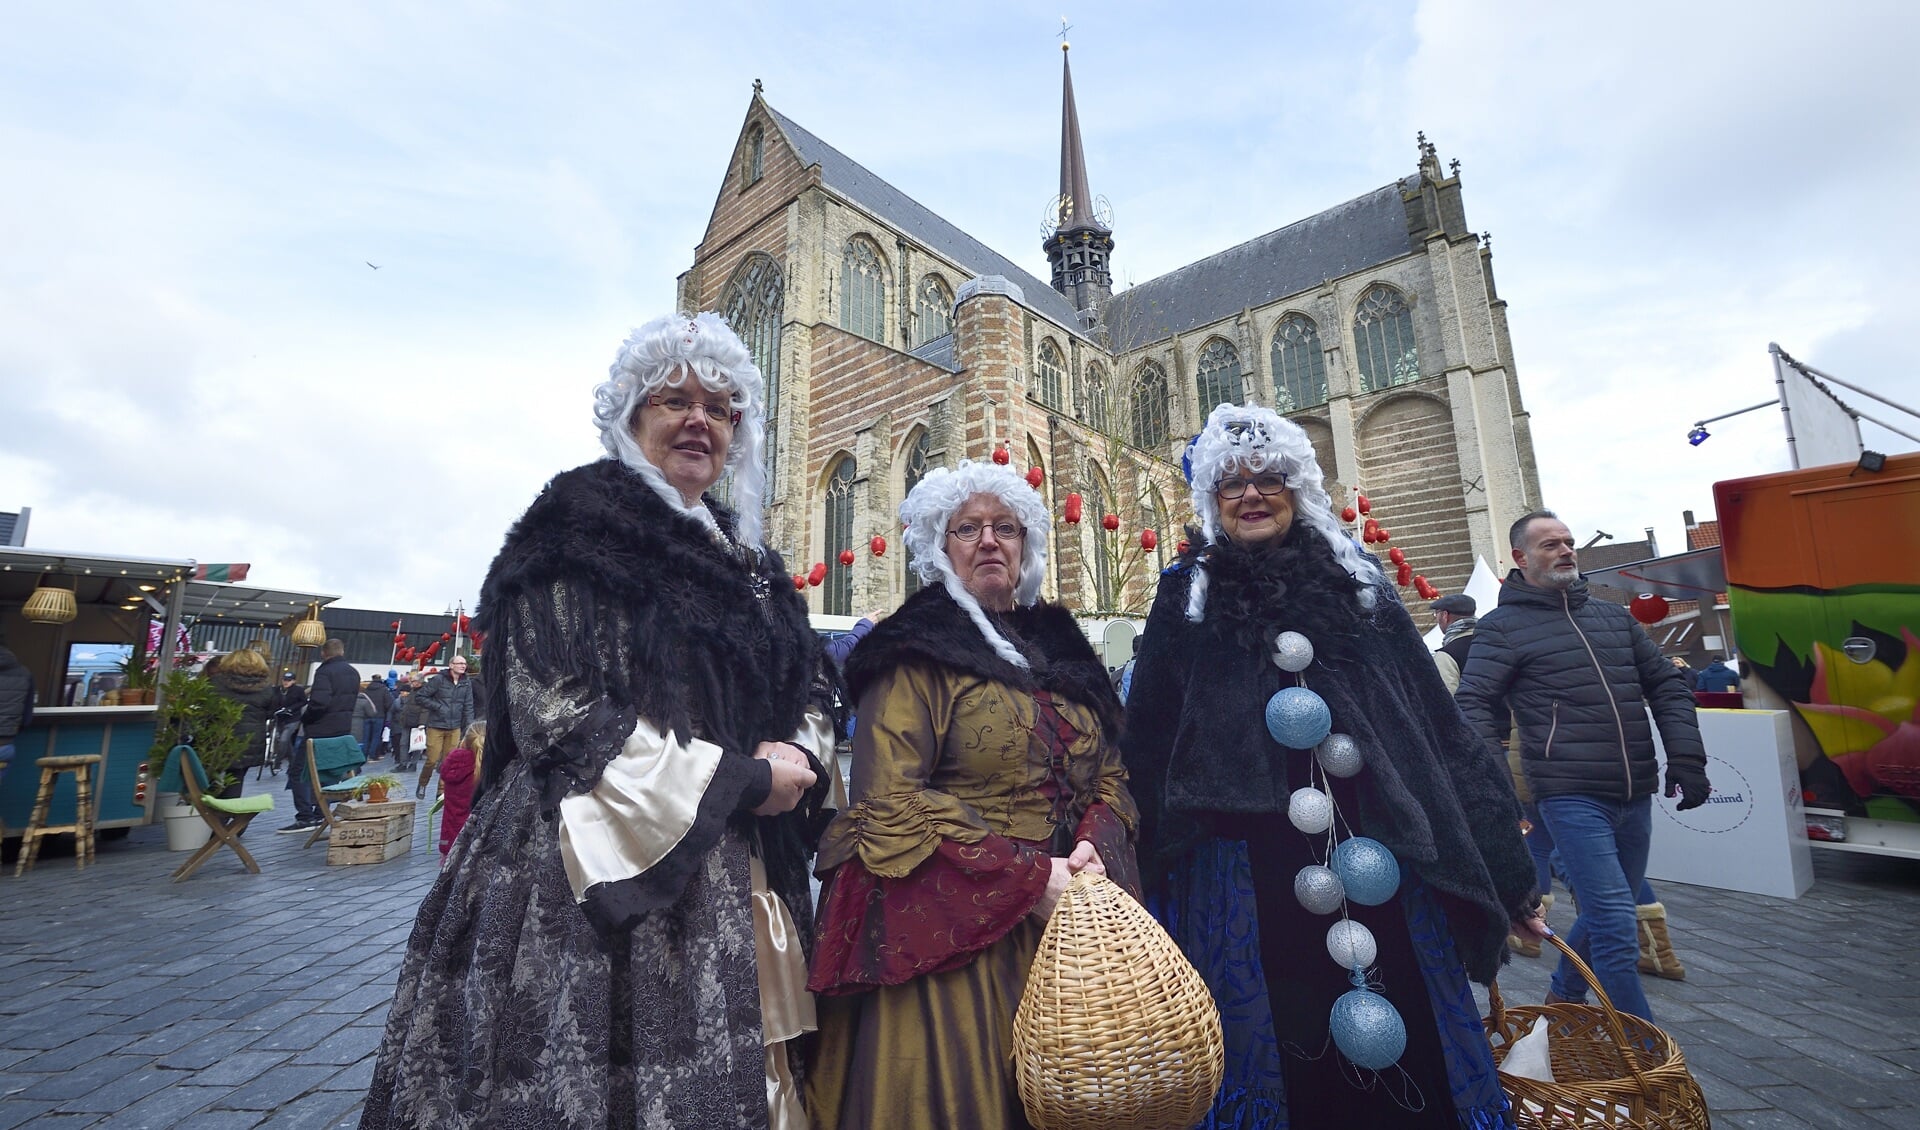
894 342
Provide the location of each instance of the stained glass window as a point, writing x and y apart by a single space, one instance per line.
863 290
1049 374
1097 417
932 310
1299 367
1150 428
1383 340
1218 376
838 591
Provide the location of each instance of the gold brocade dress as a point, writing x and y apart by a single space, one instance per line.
963 787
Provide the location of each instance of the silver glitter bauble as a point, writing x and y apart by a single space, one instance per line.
1310 810
1351 945
1318 889
1292 652
1340 755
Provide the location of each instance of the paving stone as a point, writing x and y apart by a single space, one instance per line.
1816 1109
320 1109
239 1069
302 1032
19 1112
83 1079
1762 1120
348 1045
124 1091
209 1050
173 1106
276 1088
74 1054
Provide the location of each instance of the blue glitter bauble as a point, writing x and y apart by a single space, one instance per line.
1297 718
1367 870
1368 1029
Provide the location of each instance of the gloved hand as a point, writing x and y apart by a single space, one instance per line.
1689 784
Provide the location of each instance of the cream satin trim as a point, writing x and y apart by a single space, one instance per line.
784 1109
786 1007
817 734
642 807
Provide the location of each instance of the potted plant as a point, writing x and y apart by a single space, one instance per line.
197 715
376 788
136 682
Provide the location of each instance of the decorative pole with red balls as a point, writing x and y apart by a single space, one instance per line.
1360 514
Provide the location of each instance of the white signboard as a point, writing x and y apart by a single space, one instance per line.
1751 835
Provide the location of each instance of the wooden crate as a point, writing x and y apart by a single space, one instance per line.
375 830
341 854
360 810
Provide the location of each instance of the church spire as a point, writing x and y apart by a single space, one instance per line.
1079 234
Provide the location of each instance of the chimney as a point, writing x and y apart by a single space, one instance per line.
1653 547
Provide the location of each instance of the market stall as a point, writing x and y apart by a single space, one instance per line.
50 603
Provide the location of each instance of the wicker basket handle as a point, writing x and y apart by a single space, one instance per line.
1614 1029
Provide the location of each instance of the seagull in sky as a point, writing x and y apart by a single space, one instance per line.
375 266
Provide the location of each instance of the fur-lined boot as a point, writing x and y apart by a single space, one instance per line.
1656 946
1530 947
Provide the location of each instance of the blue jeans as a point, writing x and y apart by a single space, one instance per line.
370 737
1547 865
306 809
6 758
1603 845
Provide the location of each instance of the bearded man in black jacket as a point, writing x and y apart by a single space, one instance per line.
1580 675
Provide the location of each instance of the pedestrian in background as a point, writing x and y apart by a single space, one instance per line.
378 700
457 775
450 704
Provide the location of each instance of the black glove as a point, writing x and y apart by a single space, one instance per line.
1689 784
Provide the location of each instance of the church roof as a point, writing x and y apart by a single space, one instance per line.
916 221
1350 237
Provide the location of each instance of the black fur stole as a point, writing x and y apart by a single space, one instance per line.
930 628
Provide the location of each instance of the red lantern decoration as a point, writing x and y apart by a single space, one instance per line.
817 574
1001 456
1349 514
799 582
1365 506
1109 522
1405 576
1073 506
878 546
846 557
1647 608
1396 556
1181 547
1420 583
396 625
1035 476
1149 539
1381 535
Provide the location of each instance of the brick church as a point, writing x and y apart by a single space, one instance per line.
894 342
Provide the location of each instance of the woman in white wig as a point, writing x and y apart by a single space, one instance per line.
984 776
615 939
1330 842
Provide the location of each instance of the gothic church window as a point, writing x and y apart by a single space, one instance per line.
753 308
932 310
839 536
1049 374
1150 407
1383 340
916 469
1218 380
1299 368
1096 406
863 290
754 156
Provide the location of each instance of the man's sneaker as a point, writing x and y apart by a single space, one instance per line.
300 826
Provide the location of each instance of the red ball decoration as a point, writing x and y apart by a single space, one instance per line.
1181 546
1365 506
846 557
878 546
799 582
1001 456
817 574
1110 522
1420 582
446 637
1405 576
1381 534
1349 514
396 625
1647 608
1148 539
1369 535
1035 476
1074 506
1396 556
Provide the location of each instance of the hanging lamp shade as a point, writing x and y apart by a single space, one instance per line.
310 632
50 604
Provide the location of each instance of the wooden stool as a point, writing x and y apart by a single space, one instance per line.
82 768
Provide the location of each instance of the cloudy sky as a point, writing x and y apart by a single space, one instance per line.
197 361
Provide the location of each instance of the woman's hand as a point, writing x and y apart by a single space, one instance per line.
1056 886
1533 924
791 777
1085 858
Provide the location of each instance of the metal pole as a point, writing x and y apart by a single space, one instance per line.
1780 391
176 607
459 613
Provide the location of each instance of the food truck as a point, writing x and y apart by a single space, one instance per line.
1823 574
53 605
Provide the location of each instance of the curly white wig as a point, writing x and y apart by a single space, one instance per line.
1250 439
930 506
665 353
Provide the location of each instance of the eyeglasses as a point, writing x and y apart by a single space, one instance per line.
680 406
1233 486
1002 531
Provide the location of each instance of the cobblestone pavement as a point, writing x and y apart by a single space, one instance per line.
238 1000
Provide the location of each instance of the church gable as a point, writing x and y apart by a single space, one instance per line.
763 176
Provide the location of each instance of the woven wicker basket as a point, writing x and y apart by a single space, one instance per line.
1115 1030
1611 1069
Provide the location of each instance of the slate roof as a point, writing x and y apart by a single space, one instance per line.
1363 232
854 181
939 351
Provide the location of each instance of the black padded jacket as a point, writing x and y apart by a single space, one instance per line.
1579 676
